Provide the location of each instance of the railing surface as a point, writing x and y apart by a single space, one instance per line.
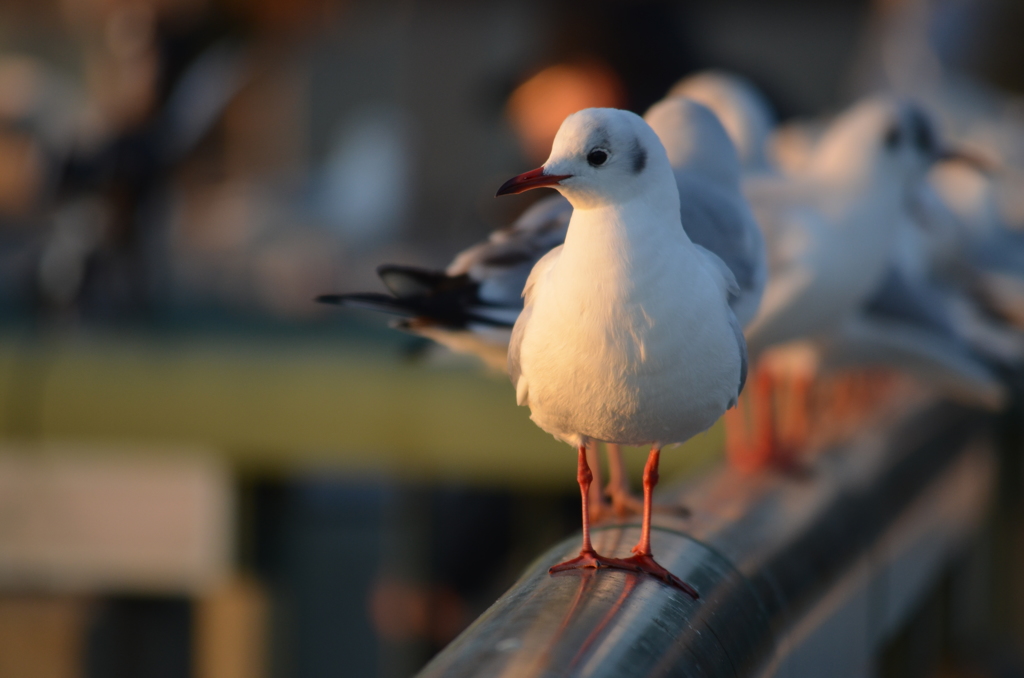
798 576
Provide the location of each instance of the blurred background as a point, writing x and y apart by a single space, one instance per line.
203 472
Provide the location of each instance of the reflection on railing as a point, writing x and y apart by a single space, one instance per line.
794 573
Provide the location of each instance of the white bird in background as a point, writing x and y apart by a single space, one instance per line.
832 230
916 322
908 325
626 335
987 254
742 108
917 48
714 212
764 146
885 308
905 322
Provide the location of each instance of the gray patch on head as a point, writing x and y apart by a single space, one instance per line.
639 157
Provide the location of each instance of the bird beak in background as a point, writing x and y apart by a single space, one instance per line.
527 180
970 158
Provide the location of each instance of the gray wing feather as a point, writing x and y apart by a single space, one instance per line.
726 279
722 224
730 287
503 262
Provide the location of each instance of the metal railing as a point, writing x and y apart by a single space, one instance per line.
798 576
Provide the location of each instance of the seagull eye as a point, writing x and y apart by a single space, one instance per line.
597 157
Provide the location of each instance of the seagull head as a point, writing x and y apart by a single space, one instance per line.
695 140
600 157
742 108
893 140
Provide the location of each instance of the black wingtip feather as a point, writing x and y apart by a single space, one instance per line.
371 301
423 295
408 282
446 310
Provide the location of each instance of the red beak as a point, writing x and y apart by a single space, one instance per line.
527 180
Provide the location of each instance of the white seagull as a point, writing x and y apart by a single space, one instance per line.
714 212
921 318
832 231
626 335
471 306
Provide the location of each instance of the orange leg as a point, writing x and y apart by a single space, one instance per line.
588 557
794 423
643 559
624 502
599 509
751 437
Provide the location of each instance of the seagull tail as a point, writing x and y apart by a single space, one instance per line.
458 308
373 302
